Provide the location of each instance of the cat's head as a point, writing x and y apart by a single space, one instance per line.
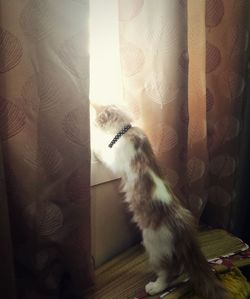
110 117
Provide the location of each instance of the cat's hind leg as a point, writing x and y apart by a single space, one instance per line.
158 244
163 267
155 287
169 274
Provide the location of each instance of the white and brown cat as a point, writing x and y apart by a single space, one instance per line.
168 228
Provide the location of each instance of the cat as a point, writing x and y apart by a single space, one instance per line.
167 228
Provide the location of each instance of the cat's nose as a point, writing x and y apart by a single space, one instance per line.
98 108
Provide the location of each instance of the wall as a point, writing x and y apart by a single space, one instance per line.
112 230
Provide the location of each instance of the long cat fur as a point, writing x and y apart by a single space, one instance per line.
168 229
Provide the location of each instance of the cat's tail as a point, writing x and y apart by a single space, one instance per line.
202 278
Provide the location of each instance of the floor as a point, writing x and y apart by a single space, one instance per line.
125 276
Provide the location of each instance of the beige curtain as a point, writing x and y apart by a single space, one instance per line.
183 76
45 165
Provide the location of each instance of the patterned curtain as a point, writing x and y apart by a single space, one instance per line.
183 66
226 62
45 154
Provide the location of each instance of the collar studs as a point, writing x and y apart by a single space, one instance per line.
119 134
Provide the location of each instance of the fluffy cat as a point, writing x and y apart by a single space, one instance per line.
167 227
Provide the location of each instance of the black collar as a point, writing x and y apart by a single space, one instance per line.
119 134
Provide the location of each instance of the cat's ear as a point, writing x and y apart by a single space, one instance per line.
97 107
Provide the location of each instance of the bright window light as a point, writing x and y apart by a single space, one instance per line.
105 69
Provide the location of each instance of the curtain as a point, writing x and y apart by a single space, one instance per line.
45 151
240 219
183 72
226 61
183 66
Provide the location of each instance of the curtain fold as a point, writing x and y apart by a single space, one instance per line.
183 66
44 128
226 61
7 273
197 154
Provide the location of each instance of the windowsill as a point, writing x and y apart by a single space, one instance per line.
100 173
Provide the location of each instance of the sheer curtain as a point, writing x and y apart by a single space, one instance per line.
183 65
45 165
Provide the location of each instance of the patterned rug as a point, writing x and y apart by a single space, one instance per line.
125 276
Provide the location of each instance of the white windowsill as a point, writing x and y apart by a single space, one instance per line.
100 173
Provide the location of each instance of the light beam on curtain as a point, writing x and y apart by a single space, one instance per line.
154 57
183 73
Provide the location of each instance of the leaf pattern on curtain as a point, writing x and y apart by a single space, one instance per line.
16 119
44 130
157 92
10 49
227 32
187 93
214 12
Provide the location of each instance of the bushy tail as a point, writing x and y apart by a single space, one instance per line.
202 278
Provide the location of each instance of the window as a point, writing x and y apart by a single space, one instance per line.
105 70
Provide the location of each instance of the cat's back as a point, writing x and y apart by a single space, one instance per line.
144 156
139 140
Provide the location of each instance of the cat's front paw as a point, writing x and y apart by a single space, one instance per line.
153 288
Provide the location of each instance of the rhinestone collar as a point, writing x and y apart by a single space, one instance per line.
119 134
